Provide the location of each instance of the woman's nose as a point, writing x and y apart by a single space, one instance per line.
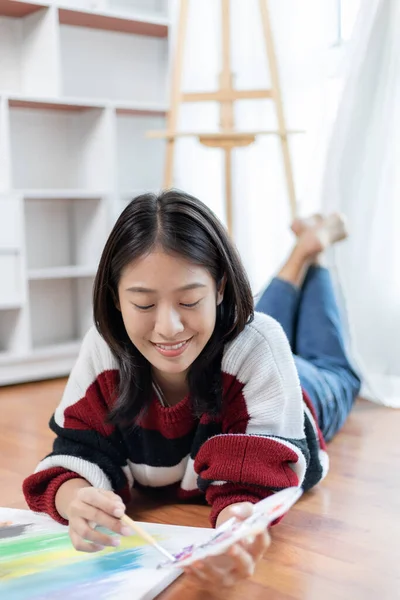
168 323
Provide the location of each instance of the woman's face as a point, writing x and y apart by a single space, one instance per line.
168 306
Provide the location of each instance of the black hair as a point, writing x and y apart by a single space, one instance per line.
181 225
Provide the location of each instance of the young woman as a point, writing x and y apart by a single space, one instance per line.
180 384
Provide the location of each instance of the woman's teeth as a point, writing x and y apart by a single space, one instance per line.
174 347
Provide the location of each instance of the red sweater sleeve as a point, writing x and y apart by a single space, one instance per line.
86 446
269 438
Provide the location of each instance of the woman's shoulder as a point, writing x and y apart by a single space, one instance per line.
261 329
95 346
94 374
95 357
263 336
263 325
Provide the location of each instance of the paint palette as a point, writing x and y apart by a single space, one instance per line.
264 513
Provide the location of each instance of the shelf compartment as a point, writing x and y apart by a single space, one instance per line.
9 318
140 160
120 67
60 311
142 18
59 149
17 9
10 224
11 289
28 49
112 21
141 109
71 105
65 237
45 362
6 306
154 8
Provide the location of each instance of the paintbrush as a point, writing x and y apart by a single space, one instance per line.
146 536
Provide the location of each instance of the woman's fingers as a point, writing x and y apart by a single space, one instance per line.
108 502
234 565
244 563
225 569
93 507
258 547
239 511
209 576
81 545
83 529
98 516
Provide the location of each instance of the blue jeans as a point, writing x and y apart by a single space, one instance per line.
310 318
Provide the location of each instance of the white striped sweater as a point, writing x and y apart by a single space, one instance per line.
265 439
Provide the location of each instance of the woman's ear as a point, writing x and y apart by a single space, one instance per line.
221 290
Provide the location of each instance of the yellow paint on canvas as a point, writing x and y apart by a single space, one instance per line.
28 564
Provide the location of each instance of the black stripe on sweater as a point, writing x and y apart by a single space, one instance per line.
149 447
314 468
203 433
107 453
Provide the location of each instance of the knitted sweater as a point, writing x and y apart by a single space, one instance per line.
265 439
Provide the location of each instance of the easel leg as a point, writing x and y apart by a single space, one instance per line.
228 190
277 96
169 164
177 69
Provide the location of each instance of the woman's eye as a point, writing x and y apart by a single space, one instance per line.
144 307
192 305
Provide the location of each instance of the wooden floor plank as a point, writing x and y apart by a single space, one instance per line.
341 541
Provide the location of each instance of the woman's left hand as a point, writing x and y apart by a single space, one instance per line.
238 562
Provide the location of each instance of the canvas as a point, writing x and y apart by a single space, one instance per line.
38 561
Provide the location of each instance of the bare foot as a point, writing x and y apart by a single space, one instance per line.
300 225
337 227
317 233
314 235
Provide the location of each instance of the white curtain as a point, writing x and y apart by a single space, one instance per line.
362 180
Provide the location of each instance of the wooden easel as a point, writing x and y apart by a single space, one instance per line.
227 138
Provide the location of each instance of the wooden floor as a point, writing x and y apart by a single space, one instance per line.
340 542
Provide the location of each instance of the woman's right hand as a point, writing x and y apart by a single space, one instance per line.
91 507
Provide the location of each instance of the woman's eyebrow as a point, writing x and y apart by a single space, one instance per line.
144 290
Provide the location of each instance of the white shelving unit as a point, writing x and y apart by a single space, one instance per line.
81 81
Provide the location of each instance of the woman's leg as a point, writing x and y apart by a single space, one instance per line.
301 298
319 327
324 369
281 298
